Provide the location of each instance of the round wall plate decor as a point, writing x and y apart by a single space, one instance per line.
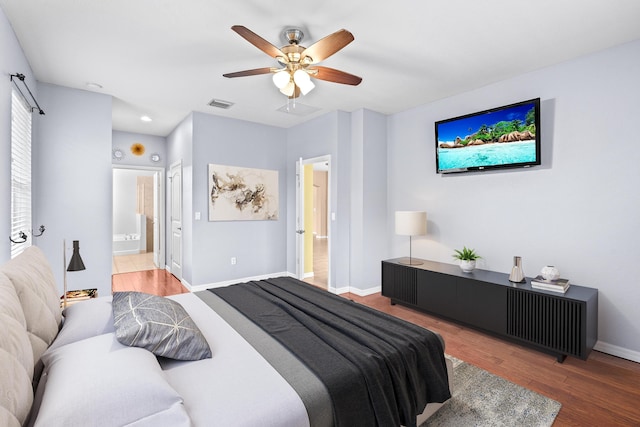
117 154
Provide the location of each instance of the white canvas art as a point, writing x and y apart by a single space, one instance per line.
242 194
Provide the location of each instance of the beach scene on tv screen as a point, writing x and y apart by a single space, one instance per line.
503 137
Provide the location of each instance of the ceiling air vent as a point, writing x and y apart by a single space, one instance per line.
218 103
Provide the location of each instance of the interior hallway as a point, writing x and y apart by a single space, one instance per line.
320 264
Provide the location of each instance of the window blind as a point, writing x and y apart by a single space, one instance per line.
20 172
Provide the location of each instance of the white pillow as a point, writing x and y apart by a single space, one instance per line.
85 319
100 382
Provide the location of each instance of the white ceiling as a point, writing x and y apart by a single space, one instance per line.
165 58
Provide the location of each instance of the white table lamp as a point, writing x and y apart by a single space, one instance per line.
411 223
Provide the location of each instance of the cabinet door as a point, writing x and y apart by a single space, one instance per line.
399 282
554 322
482 305
437 293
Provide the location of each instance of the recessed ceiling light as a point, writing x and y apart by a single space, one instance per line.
146 119
92 85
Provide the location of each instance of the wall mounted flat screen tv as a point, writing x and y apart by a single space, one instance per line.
502 137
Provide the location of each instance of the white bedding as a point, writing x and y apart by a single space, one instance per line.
237 386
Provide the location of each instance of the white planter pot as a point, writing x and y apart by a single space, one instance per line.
467 266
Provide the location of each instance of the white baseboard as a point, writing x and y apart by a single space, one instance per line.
338 291
187 285
238 280
617 351
307 275
364 292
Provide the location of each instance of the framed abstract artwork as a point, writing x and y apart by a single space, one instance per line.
242 194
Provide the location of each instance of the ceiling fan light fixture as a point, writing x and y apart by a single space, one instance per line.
289 89
307 87
281 79
303 81
293 76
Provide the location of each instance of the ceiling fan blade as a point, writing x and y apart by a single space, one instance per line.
324 48
254 72
333 75
258 42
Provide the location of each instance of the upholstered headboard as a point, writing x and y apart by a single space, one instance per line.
30 317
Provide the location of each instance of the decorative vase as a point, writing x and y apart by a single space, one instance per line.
549 272
517 275
467 265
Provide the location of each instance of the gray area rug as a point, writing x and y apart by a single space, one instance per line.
483 399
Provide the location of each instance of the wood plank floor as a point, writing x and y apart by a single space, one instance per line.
601 391
156 282
320 262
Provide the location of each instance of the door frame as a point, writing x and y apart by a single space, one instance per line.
170 266
161 206
300 214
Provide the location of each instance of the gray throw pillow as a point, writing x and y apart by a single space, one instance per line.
159 325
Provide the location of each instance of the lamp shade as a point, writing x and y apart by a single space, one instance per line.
303 81
411 223
289 89
76 263
281 79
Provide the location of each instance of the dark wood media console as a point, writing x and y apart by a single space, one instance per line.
559 324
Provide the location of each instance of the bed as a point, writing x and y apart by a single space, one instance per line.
83 374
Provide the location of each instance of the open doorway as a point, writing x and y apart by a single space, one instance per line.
138 209
314 218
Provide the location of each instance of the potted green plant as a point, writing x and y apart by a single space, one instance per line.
467 258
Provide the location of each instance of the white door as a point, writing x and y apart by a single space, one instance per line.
299 219
175 178
157 191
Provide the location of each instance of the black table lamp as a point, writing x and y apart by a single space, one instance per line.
75 264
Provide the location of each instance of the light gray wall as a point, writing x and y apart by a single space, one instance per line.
356 143
329 134
73 182
152 143
368 239
579 211
258 246
12 61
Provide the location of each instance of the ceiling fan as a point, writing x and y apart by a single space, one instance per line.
298 63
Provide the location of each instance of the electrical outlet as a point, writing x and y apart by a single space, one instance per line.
233 260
